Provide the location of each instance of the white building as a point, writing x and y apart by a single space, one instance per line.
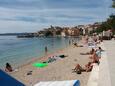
63 34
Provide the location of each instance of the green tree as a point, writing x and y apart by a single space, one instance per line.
58 32
111 21
108 24
48 33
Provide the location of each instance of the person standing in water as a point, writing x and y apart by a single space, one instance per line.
46 49
69 42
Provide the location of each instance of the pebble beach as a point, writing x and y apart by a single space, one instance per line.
60 69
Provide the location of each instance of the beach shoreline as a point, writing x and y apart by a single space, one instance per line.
18 51
45 56
55 70
42 58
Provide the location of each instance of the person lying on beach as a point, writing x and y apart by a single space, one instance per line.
89 53
78 69
8 68
88 67
76 45
51 59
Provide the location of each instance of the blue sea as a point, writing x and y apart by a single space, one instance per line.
18 51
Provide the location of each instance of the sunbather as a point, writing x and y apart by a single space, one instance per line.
95 58
8 68
76 45
88 67
88 53
78 69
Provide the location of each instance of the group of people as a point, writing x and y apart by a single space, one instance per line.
95 56
95 39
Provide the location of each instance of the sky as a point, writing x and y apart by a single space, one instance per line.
34 15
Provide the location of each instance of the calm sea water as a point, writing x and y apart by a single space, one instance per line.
17 51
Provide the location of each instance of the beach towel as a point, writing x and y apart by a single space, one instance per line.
39 64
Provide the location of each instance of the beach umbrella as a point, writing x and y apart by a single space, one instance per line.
40 65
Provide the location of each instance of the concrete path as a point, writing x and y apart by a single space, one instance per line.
104 72
94 76
110 72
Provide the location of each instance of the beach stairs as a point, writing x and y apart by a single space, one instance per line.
100 73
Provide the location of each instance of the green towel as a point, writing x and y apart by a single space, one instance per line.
39 64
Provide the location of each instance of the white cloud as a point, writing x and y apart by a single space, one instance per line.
25 19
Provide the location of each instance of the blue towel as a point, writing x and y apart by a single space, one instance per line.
77 83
